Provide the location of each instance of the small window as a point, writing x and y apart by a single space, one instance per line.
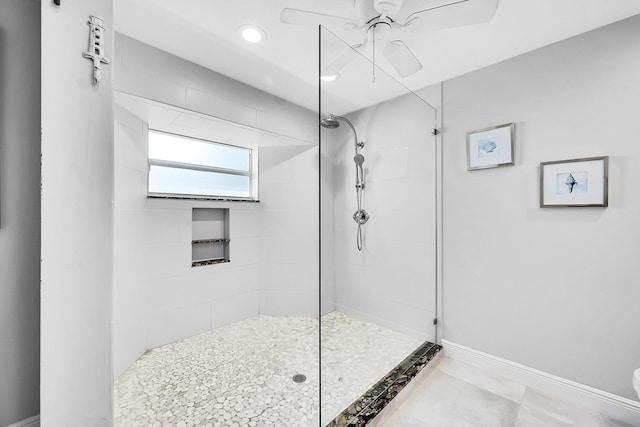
189 167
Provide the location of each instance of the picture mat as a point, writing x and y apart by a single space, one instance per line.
479 141
594 195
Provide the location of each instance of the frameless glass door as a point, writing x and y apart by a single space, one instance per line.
378 227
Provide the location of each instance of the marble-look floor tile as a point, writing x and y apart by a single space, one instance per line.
400 419
538 405
528 417
455 394
496 384
445 401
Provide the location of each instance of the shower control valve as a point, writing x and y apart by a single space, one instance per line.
360 186
361 216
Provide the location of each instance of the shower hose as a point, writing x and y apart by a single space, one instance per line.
359 232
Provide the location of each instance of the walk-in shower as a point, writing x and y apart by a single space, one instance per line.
360 216
221 344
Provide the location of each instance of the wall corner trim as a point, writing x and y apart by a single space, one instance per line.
569 391
28 422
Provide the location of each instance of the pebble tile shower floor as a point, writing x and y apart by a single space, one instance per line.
242 374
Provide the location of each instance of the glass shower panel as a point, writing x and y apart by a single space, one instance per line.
378 227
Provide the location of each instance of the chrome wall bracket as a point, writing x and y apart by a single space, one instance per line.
96 47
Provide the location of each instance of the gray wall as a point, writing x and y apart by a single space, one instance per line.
77 212
553 289
19 210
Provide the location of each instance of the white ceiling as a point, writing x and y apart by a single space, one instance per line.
286 63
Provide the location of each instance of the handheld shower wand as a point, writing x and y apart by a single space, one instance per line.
359 160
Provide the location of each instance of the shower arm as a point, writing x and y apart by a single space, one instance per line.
356 144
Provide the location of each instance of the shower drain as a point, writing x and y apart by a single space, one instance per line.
299 378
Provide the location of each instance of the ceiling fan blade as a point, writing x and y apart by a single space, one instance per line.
342 60
401 58
449 14
306 17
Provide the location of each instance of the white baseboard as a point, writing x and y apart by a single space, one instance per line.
551 385
28 422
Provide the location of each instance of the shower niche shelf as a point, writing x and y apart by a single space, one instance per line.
210 236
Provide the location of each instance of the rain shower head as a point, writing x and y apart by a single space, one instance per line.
330 122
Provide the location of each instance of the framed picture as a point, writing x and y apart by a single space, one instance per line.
491 147
578 182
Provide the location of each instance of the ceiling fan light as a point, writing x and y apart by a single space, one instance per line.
328 78
401 58
251 33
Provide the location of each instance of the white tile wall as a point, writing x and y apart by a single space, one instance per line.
133 153
392 281
244 250
289 276
141 84
157 75
274 244
215 105
289 223
245 223
159 296
234 308
173 323
279 302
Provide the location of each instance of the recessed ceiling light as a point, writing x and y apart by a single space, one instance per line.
330 77
251 33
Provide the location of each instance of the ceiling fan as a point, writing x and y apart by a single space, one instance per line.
386 21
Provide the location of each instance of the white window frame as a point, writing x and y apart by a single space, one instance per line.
190 166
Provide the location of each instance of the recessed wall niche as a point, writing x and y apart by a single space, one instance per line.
210 236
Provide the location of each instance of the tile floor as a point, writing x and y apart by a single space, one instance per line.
241 374
453 394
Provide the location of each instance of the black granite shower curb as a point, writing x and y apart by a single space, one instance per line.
373 401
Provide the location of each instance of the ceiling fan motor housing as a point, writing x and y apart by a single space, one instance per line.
388 7
367 10
379 30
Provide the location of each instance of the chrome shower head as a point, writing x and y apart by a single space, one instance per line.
331 122
358 159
